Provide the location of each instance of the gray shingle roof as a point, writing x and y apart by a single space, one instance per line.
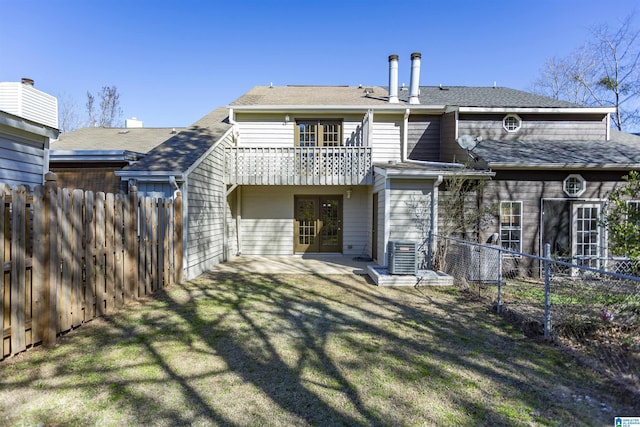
181 151
429 95
139 140
621 152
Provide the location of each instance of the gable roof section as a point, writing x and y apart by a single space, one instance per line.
139 140
177 154
621 152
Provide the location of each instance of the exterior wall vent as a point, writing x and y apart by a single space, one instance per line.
403 257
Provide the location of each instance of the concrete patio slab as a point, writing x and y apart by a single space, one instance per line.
295 264
326 264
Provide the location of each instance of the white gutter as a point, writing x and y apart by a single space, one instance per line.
383 106
557 166
441 164
587 110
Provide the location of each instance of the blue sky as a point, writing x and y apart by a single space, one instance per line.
174 61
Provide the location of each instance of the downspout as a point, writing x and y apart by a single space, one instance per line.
405 136
433 229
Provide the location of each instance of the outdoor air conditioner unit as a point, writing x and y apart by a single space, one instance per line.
403 257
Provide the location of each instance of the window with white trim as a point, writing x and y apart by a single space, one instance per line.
512 123
511 226
574 185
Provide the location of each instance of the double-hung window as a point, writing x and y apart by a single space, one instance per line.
511 226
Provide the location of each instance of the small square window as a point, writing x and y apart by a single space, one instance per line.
511 122
574 185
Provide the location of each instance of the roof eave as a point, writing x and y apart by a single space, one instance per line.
560 166
533 110
395 108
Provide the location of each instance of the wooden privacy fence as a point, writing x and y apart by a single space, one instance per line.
71 256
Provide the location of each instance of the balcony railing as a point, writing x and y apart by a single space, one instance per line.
298 165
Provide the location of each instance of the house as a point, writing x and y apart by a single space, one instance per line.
345 169
88 157
28 121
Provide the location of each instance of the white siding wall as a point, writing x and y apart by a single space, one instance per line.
386 137
271 129
379 187
206 213
267 218
22 159
28 102
356 220
408 199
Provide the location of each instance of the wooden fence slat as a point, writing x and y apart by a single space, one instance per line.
128 237
118 251
165 242
110 252
142 233
148 274
18 273
101 296
76 258
155 208
66 284
51 262
89 256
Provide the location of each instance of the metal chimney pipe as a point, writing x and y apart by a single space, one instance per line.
414 88
393 79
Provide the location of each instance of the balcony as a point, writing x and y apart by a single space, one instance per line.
298 165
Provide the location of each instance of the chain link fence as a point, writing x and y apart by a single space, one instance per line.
591 306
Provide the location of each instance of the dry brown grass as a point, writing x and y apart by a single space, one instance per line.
240 349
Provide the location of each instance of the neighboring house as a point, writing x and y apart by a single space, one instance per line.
553 190
28 121
87 158
315 169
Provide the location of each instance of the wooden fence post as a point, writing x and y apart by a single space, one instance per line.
178 236
49 261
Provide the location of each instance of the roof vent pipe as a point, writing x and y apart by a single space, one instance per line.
414 87
393 79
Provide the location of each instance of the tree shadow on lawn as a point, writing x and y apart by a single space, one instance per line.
239 349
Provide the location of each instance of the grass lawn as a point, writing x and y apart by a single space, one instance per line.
287 350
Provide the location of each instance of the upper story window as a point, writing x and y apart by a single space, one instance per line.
319 133
574 185
512 122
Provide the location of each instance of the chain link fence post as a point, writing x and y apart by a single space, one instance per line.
547 290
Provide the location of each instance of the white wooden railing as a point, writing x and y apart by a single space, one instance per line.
298 165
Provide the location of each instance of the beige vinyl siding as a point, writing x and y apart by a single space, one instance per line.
379 188
423 138
206 213
22 159
407 197
267 213
267 220
386 137
271 129
410 209
536 127
356 221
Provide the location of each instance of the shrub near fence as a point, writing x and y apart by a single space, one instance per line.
71 256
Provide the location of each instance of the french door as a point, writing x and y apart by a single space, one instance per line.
586 236
318 224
